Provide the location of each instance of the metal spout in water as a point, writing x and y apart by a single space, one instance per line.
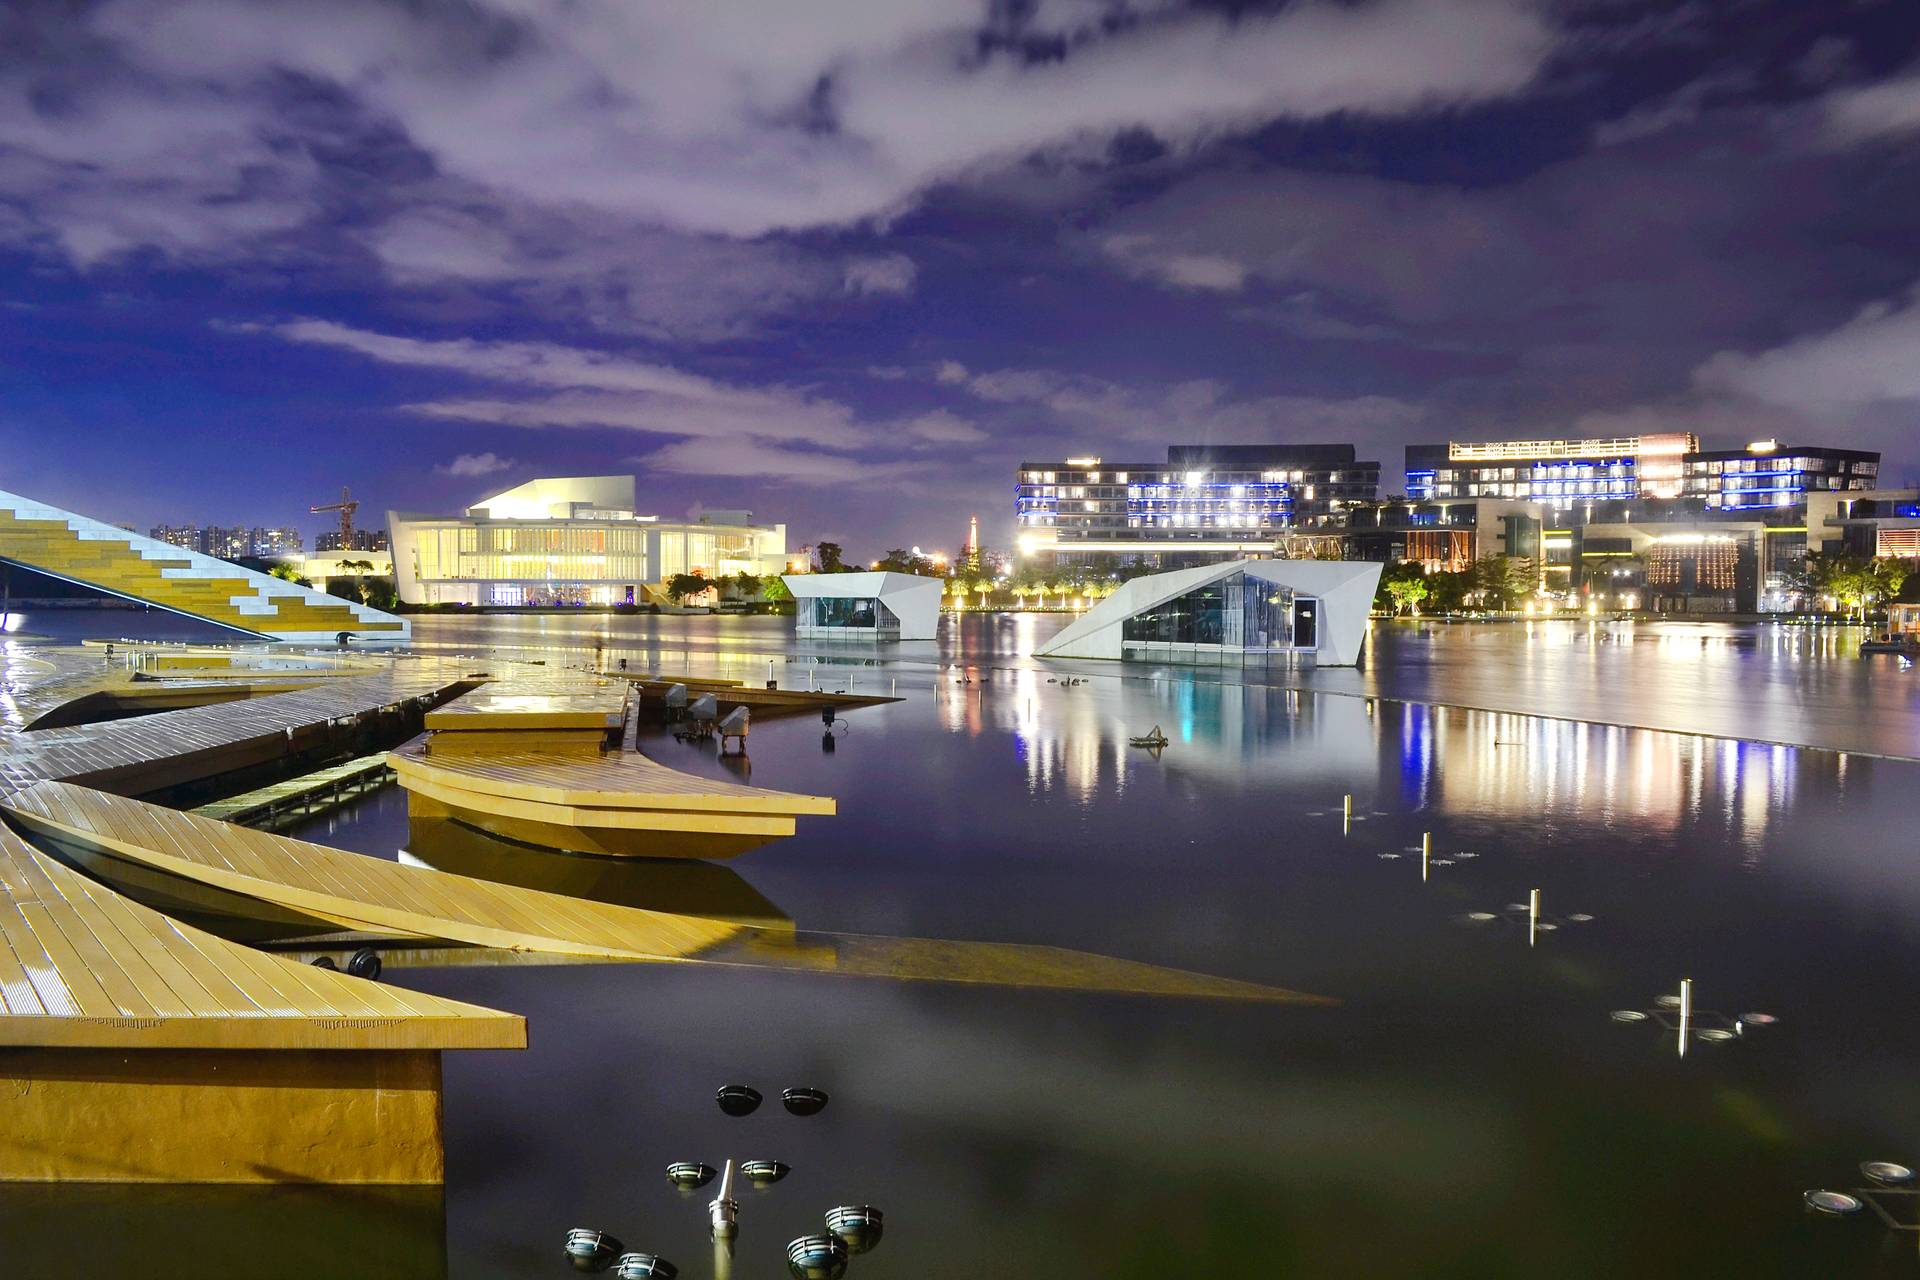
723 1212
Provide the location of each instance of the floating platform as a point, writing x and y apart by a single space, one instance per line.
764 704
621 804
250 1068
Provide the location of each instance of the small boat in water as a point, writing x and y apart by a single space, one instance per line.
1152 741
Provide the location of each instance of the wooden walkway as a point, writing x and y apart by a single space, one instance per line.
80 965
168 748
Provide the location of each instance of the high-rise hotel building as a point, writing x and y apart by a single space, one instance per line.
1204 503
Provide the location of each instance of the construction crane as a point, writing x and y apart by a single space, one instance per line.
346 507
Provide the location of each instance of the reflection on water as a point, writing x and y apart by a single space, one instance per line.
224 1233
1469 1109
684 887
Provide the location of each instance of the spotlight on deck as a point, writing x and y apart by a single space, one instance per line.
689 1174
645 1266
764 1173
365 963
590 1250
738 1099
804 1100
1887 1173
1836 1204
858 1226
821 1257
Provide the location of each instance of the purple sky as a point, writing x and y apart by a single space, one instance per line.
847 262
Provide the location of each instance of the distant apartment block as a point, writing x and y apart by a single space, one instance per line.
363 540
230 542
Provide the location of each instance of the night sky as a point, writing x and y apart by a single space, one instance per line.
846 262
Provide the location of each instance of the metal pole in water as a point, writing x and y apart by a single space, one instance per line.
1426 851
1686 1012
1533 916
723 1211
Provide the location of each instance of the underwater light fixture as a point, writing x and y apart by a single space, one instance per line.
645 1266
1835 1203
858 1226
804 1100
1887 1173
591 1250
764 1173
689 1175
818 1257
738 1099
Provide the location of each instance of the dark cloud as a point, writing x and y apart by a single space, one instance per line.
899 243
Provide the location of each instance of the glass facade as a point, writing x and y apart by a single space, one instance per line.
1774 477
1239 618
601 551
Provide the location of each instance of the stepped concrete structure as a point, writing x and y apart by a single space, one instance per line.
94 554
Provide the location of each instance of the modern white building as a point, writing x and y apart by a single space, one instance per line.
570 540
865 606
1237 612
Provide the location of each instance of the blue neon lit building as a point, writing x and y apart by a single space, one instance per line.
1767 475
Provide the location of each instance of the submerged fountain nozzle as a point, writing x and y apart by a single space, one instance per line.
723 1211
591 1250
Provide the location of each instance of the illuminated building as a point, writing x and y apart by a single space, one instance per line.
865 606
570 541
1446 537
1243 612
1692 567
1871 522
1767 475
1203 504
1559 473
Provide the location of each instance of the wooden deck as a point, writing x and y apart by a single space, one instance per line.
347 890
166 749
84 966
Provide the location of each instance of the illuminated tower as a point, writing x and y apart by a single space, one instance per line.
973 541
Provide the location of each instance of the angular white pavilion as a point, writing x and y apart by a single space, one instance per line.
865 606
1233 613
